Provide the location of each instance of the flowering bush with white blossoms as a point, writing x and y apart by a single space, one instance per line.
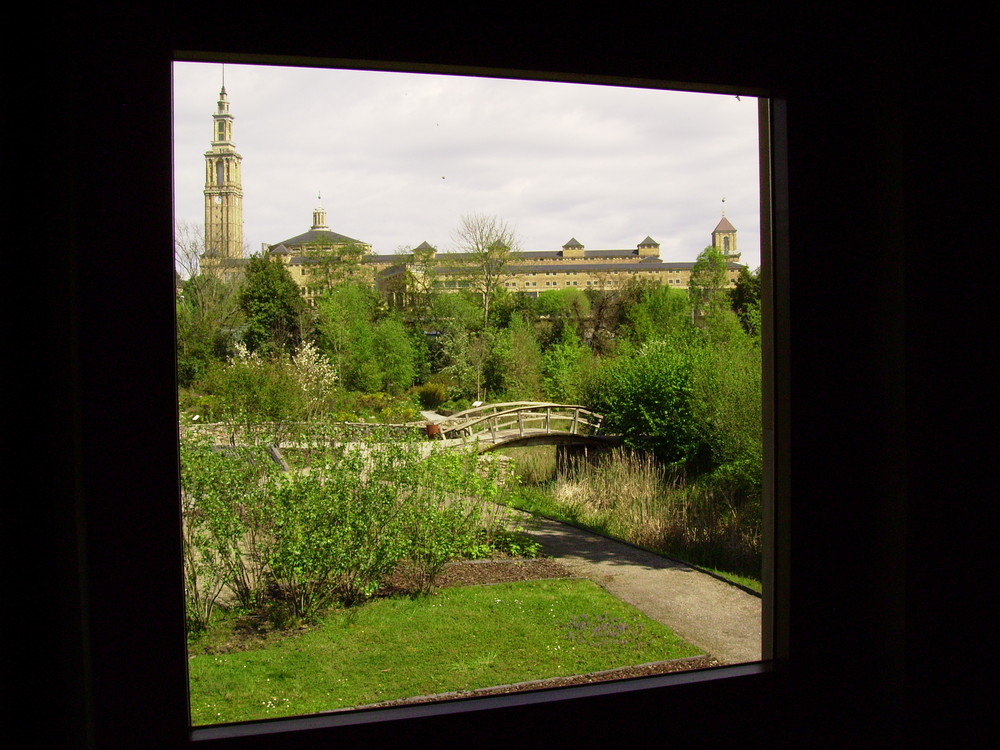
316 376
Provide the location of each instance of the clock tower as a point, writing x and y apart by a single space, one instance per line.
223 189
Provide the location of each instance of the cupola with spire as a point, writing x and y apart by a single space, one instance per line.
319 214
724 237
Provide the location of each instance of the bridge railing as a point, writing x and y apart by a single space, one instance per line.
521 417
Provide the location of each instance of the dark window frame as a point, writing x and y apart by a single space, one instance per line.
116 486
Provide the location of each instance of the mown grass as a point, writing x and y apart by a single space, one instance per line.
627 496
457 639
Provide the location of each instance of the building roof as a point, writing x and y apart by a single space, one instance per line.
644 265
724 226
315 236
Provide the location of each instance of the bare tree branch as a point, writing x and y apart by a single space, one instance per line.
490 244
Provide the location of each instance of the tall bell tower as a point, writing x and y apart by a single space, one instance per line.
223 188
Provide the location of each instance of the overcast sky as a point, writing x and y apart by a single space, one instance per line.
400 158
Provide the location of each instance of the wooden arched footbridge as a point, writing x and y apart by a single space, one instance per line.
486 427
522 423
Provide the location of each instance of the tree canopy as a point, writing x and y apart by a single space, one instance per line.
745 300
272 306
707 282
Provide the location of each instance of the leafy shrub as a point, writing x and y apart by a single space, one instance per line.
226 526
264 394
199 406
727 405
648 397
330 533
567 368
504 543
395 355
431 395
338 533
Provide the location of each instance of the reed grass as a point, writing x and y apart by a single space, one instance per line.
628 495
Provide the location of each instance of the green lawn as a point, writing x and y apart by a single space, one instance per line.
456 639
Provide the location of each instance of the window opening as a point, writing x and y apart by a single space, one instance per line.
370 251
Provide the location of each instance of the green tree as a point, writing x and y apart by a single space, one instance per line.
709 278
272 306
744 298
524 368
562 308
568 365
207 320
608 321
470 359
327 266
571 303
456 310
659 313
345 316
420 280
395 356
727 405
507 304
490 245
457 363
207 313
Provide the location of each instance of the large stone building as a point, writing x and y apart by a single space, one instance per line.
320 256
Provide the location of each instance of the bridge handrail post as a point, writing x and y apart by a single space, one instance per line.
576 418
520 423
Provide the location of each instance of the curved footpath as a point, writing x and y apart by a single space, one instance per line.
716 616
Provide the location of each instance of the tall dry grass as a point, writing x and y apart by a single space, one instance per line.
633 498
535 464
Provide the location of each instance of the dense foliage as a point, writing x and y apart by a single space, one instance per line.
678 373
272 306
